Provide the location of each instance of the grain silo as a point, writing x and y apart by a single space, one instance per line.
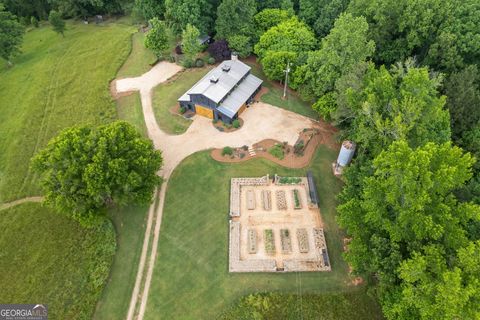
344 157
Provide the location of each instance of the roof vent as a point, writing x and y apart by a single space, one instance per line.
226 68
213 79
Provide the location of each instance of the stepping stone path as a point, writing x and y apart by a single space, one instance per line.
251 151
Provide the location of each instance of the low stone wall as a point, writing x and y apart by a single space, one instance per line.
236 184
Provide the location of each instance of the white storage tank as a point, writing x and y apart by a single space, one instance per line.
346 153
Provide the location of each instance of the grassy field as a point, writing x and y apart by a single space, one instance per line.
338 306
50 259
191 279
140 59
56 83
130 226
275 93
129 108
165 96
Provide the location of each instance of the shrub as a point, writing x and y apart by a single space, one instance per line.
211 60
219 50
277 151
183 110
298 147
227 151
199 63
236 124
242 155
215 121
227 125
187 63
245 148
178 49
34 22
172 58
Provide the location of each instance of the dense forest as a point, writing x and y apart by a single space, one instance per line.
401 79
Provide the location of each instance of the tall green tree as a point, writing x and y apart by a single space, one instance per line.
406 206
402 104
11 34
157 38
321 14
58 24
151 8
235 23
179 13
285 43
85 170
190 44
445 35
269 18
345 46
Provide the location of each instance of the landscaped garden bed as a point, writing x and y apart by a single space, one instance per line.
297 204
297 156
227 127
269 241
286 241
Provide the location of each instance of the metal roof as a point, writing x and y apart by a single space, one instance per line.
226 80
234 101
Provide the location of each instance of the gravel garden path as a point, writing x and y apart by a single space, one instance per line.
261 121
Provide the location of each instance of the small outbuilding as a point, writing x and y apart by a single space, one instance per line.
223 93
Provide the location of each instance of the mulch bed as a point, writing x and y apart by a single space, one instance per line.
176 111
220 126
290 160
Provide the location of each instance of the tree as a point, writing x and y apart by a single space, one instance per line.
57 22
285 42
157 38
151 8
241 44
235 23
219 50
444 35
345 46
269 18
321 14
403 104
463 99
179 13
11 34
405 206
190 44
84 170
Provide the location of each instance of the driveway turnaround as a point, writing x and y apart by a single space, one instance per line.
261 121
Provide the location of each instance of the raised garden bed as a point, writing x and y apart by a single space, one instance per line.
297 203
286 241
281 200
267 200
251 200
302 237
269 241
289 180
252 241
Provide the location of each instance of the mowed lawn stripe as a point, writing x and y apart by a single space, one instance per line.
55 83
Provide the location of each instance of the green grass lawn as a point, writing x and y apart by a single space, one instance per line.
129 108
274 95
55 83
50 259
165 96
333 306
191 278
130 226
140 59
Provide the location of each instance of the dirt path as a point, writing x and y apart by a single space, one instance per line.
262 121
7 205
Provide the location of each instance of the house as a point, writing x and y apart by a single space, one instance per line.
223 93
